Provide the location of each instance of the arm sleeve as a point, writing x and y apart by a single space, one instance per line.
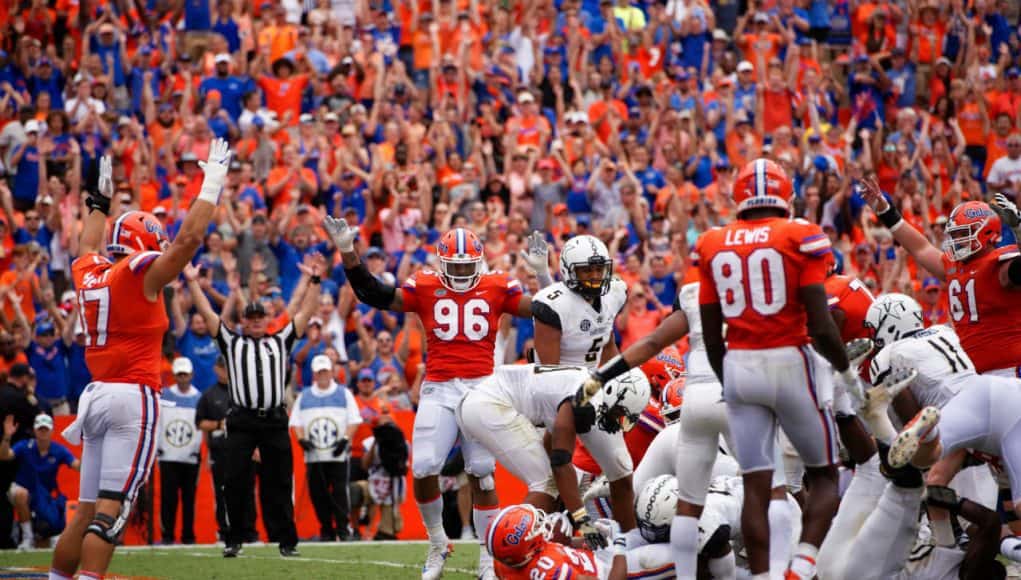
201 411
141 261
545 314
514 294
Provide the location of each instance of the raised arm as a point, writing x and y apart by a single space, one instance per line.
172 261
927 255
98 203
191 274
366 287
309 302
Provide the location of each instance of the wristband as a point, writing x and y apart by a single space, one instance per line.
98 203
613 369
578 517
316 279
620 546
891 218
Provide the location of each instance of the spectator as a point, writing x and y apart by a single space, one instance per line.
48 357
179 452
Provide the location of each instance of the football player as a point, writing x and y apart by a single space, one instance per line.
520 541
849 299
502 412
460 307
121 310
982 279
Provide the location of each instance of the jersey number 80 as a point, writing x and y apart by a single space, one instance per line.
766 286
470 319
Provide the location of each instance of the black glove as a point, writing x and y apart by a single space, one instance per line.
942 497
339 447
583 524
306 444
584 418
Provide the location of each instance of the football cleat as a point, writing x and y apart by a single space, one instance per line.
906 444
858 350
599 488
435 560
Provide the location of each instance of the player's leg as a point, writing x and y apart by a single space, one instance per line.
131 433
659 457
780 516
858 502
650 562
612 455
695 453
433 436
67 553
19 499
964 421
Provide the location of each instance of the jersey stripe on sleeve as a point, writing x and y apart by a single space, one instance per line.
816 245
140 261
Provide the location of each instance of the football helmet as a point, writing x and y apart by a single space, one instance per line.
762 183
586 267
460 253
671 399
892 317
655 507
622 401
663 368
517 534
136 231
973 227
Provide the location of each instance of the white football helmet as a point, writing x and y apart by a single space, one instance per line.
892 317
586 267
655 507
622 400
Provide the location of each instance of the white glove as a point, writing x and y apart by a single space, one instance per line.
1007 210
106 177
587 390
537 256
600 487
586 527
851 384
610 530
897 380
215 168
343 235
558 522
858 350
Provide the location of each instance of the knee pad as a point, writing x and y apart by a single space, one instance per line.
487 483
547 486
425 466
102 526
714 546
481 469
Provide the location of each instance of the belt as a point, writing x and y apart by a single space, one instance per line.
258 413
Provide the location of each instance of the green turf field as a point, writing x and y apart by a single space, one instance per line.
348 561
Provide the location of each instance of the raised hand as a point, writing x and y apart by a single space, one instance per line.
537 255
343 235
106 177
1007 210
215 169
873 195
190 271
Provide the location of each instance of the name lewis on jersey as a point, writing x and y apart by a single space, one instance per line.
749 236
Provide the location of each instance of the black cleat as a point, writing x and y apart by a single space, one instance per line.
289 552
232 551
906 477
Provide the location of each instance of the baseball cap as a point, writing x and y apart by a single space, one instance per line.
44 326
20 370
720 34
159 210
255 310
931 283
321 362
182 365
305 118
526 97
32 126
761 17
222 57
43 421
375 252
189 156
366 374
316 320
744 65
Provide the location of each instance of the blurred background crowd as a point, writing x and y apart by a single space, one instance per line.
625 119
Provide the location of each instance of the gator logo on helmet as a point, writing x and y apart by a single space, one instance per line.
669 358
477 245
442 248
514 538
977 212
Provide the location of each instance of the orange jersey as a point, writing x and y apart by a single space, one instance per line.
460 327
122 344
982 310
850 296
554 562
753 269
638 439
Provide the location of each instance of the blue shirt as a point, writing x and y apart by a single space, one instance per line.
380 367
905 77
26 182
232 91
78 372
112 51
50 366
197 16
43 236
665 288
306 367
35 469
53 85
202 352
229 30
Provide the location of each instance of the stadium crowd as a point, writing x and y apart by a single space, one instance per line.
623 120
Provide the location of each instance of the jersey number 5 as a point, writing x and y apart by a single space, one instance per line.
470 320
95 328
954 291
758 279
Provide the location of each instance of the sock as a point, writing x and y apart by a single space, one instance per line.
482 515
779 534
684 545
26 532
432 517
467 531
85 575
803 563
58 575
878 421
762 576
724 568
1010 547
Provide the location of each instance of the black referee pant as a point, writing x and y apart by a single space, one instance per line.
266 431
219 470
178 482
327 488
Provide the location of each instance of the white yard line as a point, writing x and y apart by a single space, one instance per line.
161 552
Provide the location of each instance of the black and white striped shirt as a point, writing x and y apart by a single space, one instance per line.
258 368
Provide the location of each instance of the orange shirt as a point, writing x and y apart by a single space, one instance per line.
740 151
531 129
930 41
279 175
777 109
598 109
969 118
280 39
148 195
422 45
23 288
996 147
284 95
768 45
640 323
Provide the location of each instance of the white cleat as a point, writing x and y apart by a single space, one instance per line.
487 572
858 350
435 560
599 488
906 444
25 545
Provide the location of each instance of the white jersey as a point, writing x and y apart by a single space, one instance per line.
928 562
937 354
697 364
723 508
584 331
180 440
534 391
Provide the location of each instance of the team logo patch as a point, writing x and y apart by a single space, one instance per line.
440 292
179 433
514 538
477 245
442 248
323 432
586 325
977 212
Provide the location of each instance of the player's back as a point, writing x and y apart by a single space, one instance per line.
754 269
851 296
584 330
556 561
983 311
938 356
536 391
123 329
460 327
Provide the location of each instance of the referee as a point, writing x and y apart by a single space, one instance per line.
257 368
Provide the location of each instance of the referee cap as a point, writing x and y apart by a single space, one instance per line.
255 310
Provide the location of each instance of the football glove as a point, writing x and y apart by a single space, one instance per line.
1007 210
306 444
215 169
537 256
858 350
584 525
339 447
99 200
343 235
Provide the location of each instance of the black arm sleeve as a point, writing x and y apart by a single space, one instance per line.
546 315
369 289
